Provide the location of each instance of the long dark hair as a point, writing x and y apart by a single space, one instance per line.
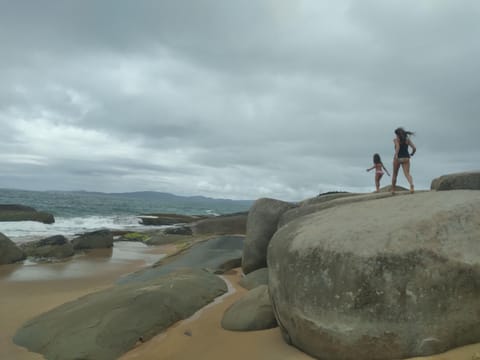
403 134
376 159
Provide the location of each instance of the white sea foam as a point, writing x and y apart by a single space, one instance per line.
21 231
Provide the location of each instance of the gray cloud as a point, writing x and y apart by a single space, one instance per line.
234 99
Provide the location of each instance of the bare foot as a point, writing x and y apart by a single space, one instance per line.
412 190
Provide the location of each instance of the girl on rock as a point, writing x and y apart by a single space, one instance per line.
379 168
402 156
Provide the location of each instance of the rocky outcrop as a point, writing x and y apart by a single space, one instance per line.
262 222
222 225
252 312
106 324
458 181
168 219
318 204
326 197
57 247
254 279
100 239
178 230
9 252
12 212
389 278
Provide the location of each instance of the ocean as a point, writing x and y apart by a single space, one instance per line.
77 211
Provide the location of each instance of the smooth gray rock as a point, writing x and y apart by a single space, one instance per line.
100 239
465 180
262 222
222 225
326 197
214 255
254 279
56 246
252 312
311 206
106 324
9 252
391 278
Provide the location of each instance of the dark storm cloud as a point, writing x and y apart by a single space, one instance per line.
234 99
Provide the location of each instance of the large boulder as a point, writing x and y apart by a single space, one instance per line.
106 324
252 312
385 279
13 212
465 180
9 252
57 247
262 222
222 225
99 239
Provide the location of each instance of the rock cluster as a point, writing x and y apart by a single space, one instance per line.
54 247
139 306
344 276
372 276
57 247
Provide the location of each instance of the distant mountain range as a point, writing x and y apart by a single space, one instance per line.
167 197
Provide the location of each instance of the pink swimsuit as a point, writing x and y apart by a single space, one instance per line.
378 169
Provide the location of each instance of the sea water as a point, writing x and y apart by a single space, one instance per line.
79 212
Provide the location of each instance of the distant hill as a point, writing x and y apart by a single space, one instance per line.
172 197
168 197
89 203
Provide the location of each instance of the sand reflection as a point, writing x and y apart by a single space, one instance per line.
85 264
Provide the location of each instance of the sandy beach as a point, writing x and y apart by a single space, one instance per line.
27 291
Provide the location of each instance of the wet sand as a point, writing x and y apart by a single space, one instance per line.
27 291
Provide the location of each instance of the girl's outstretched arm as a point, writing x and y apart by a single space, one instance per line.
373 167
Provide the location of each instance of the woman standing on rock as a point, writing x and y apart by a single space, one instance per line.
402 156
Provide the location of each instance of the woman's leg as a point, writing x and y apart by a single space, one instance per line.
396 166
406 171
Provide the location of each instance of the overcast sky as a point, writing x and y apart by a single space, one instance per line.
234 99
